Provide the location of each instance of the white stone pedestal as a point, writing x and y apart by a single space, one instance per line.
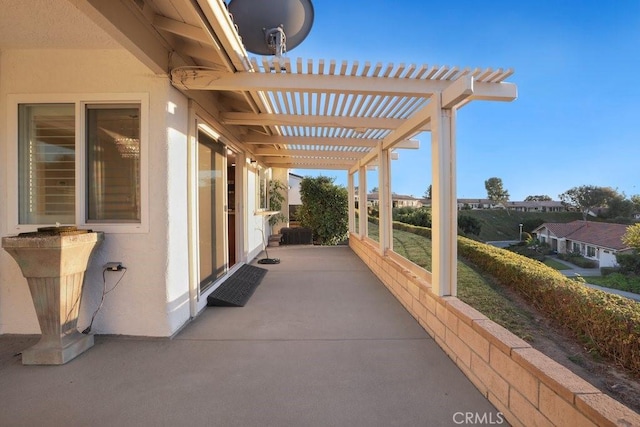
54 266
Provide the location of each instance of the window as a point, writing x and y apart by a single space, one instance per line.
113 163
263 192
46 164
591 251
79 163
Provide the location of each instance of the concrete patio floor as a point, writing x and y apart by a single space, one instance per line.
320 343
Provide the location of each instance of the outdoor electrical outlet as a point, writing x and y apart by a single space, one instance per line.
113 266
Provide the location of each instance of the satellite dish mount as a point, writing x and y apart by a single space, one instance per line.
276 40
262 24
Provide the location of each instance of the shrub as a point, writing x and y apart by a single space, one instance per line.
528 251
579 260
469 225
629 263
606 323
420 231
413 216
324 209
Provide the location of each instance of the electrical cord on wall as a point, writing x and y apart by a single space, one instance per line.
105 292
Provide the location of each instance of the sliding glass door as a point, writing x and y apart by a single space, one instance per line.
212 200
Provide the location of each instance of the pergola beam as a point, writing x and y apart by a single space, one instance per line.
344 84
322 141
273 82
297 163
494 92
331 154
253 119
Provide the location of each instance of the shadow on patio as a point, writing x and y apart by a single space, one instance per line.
321 342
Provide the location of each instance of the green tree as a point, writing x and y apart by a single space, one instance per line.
324 209
631 237
620 207
541 198
427 193
635 199
588 197
495 190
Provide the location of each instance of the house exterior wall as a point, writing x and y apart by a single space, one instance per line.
294 190
608 258
152 298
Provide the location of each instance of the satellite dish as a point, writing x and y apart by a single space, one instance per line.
271 27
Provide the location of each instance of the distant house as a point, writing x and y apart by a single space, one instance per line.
397 200
541 206
478 204
599 241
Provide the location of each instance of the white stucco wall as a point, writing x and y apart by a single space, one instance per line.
152 298
294 190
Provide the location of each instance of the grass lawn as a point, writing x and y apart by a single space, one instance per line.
473 288
616 281
556 264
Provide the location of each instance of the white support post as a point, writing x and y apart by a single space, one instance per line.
384 197
352 203
444 208
362 204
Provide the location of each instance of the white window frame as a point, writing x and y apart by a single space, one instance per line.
262 176
80 102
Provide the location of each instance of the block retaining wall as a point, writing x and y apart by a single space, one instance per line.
529 388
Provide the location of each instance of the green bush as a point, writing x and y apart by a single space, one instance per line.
606 323
528 251
629 263
469 225
421 231
579 260
414 216
324 209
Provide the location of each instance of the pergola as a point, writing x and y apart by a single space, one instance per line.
310 114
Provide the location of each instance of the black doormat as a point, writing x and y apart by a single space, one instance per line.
237 289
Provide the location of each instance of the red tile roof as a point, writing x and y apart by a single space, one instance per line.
602 234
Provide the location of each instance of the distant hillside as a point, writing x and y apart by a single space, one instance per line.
499 225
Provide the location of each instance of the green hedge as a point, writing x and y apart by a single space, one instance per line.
607 324
578 260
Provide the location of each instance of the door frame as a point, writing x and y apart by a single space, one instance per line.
200 120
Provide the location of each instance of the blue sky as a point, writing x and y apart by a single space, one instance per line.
576 120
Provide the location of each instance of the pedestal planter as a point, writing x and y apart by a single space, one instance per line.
54 261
